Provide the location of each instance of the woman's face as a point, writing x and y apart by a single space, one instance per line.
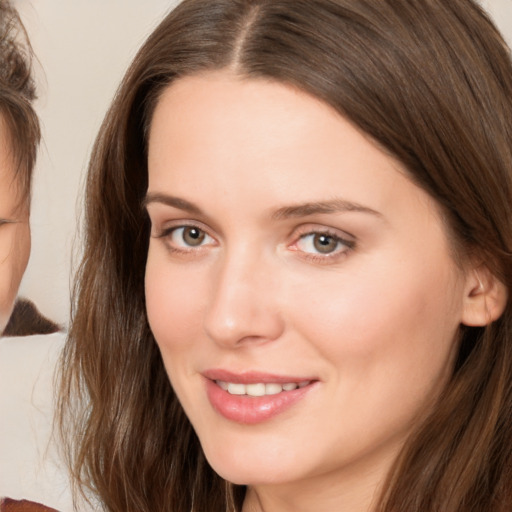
14 231
292 262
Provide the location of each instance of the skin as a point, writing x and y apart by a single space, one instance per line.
14 231
374 321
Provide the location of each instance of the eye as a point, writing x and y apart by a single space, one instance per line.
188 236
6 221
323 243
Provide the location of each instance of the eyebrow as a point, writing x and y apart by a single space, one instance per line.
175 202
337 205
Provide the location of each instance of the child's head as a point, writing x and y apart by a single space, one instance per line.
19 138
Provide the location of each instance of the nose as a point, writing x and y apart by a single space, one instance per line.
243 304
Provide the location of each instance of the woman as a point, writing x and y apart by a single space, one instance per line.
298 213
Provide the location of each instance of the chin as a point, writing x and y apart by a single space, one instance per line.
257 466
252 476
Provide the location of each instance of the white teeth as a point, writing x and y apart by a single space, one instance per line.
255 389
259 388
273 389
236 389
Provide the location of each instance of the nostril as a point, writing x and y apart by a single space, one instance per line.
242 303
243 325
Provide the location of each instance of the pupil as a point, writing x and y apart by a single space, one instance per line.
324 243
193 236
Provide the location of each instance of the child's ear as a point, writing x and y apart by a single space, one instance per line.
485 298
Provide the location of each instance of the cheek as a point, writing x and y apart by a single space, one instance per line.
14 255
173 303
384 331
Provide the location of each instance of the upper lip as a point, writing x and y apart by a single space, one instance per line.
253 377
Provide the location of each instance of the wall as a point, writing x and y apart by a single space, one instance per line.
83 47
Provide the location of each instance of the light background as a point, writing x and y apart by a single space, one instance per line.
84 47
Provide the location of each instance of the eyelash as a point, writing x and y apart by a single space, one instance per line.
337 253
167 234
342 247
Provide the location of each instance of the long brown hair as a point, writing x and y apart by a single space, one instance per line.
431 82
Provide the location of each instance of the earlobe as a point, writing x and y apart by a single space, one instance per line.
485 298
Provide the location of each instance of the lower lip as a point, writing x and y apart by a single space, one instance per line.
250 410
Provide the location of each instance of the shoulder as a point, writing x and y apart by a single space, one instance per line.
26 319
8 505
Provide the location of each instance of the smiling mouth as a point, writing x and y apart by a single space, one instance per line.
259 399
259 388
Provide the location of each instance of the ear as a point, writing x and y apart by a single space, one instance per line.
485 298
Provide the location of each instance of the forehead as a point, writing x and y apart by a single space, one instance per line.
247 132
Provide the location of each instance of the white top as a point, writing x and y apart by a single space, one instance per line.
30 465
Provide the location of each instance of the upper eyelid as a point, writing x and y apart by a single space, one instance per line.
343 240
343 237
161 219
310 229
180 223
156 209
8 221
347 245
169 230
